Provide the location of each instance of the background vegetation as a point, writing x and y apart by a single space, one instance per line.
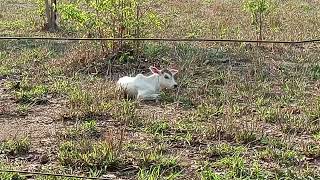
242 111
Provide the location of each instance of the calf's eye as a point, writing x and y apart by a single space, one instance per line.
166 77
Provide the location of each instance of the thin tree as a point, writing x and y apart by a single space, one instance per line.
51 15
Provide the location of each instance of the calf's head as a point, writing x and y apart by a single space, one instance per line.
166 77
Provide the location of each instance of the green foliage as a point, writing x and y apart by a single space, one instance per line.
31 94
207 111
5 71
40 8
223 150
245 136
105 18
15 146
235 165
209 174
283 157
316 136
315 72
11 176
270 115
158 127
125 112
157 159
258 9
87 154
151 174
87 129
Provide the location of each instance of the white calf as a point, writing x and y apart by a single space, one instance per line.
148 87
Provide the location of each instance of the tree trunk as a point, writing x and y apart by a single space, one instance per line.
51 14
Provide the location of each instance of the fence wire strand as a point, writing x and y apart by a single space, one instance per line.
51 174
161 39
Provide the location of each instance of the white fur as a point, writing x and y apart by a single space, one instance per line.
147 87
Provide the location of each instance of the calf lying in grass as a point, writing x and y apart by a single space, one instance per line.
148 87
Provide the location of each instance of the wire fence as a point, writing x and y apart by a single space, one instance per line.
161 39
51 174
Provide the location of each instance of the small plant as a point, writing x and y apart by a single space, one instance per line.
186 138
223 150
285 157
315 72
312 150
206 112
118 19
288 157
316 136
266 154
155 159
246 136
23 108
258 10
87 129
10 176
5 71
158 127
151 174
274 142
125 112
31 94
208 174
270 115
86 154
234 164
15 146
165 97
78 97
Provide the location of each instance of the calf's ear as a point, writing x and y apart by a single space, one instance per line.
174 71
154 70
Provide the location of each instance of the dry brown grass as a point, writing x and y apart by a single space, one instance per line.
241 111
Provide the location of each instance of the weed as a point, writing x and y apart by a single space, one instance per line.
87 129
222 150
151 174
166 97
5 71
270 115
186 138
316 136
87 154
31 94
315 72
158 127
312 150
274 142
284 157
206 112
23 108
208 174
155 159
266 154
15 146
246 136
234 164
125 112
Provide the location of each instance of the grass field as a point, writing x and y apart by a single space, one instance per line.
242 111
